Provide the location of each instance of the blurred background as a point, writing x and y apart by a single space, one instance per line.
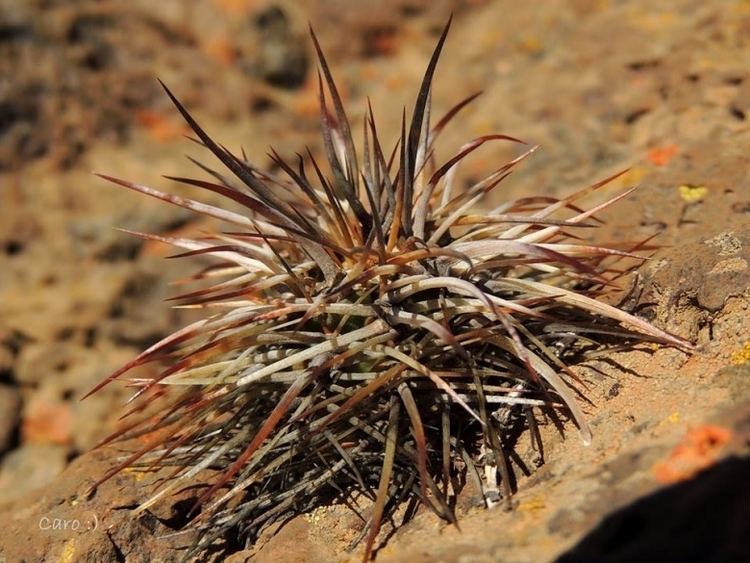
662 88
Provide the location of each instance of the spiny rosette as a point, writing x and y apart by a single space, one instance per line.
370 332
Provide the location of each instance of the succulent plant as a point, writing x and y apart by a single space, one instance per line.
369 331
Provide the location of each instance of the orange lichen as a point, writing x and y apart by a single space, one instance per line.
47 422
395 82
235 7
369 72
384 44
158 126
220 48
660 156
306 102
700 448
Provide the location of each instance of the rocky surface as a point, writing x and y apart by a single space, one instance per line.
601 85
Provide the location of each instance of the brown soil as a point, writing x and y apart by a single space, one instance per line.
601 85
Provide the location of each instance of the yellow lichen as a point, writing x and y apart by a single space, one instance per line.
742 356
316 515
532 505
138 474
633 176
692 194
68 551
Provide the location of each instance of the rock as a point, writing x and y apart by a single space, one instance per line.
712 520
75 295
683 287
295 542
40 360
10 413
100 524
6 359
46 421
56 376
28 468
282 60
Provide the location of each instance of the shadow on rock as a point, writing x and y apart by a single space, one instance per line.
704 519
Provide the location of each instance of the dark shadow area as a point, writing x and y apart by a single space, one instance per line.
706 519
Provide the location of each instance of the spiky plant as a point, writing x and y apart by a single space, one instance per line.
370 332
